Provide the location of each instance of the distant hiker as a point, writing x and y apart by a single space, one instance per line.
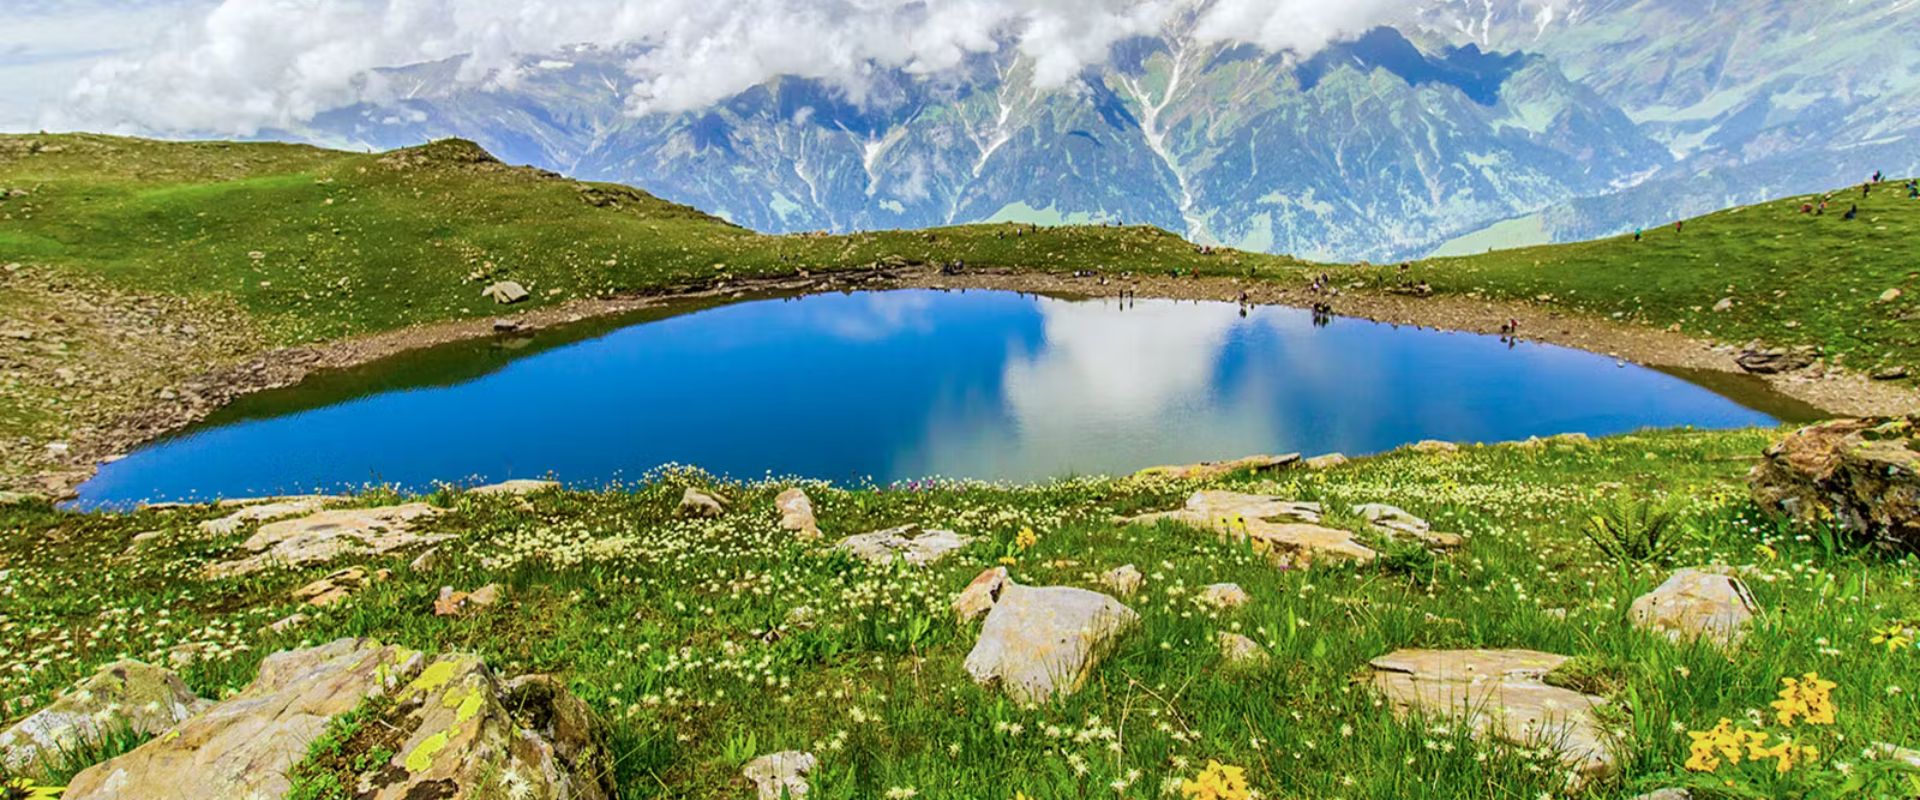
1913 190
1636 234
1806 208
1877 176
1678 225
1866 189
1822 211
1853 212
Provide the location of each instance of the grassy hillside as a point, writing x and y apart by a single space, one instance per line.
1793 278
320 244
684 636
132 265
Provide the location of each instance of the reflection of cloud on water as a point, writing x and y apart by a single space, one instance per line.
872 316
1108 389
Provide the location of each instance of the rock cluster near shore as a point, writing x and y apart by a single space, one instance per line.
448 726
1862 475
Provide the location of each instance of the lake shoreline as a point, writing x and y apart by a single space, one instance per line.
1833 390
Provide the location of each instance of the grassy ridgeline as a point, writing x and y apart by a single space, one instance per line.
679 632
321 244
1793 278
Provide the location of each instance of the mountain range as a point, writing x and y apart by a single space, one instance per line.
1462 125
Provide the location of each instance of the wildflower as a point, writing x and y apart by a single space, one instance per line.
1217 782
1026 539
1768 552
1808 698
902 793
24 789
1895 637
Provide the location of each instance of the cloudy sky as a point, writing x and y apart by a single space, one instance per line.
235 67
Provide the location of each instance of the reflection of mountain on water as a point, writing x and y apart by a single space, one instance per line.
906 384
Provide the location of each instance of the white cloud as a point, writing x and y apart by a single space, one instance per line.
243 65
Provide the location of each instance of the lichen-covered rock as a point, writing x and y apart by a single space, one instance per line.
1859 474
780 776
244 745
1697 603
456 733
1207 470
1042 642
1501 694
907 542
124 695
796 514
326 535
468 736
1284 530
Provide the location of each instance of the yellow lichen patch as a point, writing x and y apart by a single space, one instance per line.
466 705
422 756
434 676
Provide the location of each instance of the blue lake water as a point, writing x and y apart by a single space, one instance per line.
902 385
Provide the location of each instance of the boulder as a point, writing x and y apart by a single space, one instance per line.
469 736
1241 651
696 503
1863 475
1434 447
781 775
796 514
124 695
1224 596
1697 603
338 586
1501 694
1328 461
456 732
1123 580
514 488
1285 531
1395 523
1724 305
1042 642
326 535
1775 360
454 604
244 745
1207 470
906 542
1890 374
978 598
263 511
505 293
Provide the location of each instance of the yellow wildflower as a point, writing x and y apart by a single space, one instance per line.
1026 539
1808 699
24 789
1790 754
1896 637
1217 782
1770 553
